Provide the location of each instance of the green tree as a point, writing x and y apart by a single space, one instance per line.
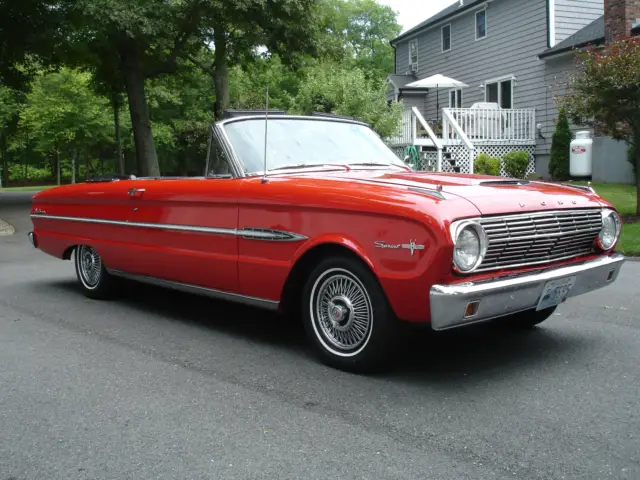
560 147
347 91
363 30
180 106
10 104
604 93
147 37
247 86
239 28
64 116
31 37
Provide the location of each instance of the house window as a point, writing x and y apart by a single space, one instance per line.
481 24
413 55
446 38
455 98
500 92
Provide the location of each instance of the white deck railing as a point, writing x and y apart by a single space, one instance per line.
482 126
511 126
407 134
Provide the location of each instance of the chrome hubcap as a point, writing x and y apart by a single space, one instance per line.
343 311
90 265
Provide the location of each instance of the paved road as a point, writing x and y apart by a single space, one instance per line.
165 385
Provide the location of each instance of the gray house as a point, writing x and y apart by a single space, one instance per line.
512 57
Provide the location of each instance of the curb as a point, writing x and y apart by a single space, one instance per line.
6 228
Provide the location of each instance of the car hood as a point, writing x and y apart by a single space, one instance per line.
490 195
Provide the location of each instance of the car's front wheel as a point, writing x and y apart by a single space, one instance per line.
347 316
93 277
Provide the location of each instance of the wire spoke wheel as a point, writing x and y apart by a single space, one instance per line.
342 310
89 266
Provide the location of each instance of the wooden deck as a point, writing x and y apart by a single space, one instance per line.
481 127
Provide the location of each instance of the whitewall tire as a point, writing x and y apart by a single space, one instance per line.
347 316
92 275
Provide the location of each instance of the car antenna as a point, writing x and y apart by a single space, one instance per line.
266 118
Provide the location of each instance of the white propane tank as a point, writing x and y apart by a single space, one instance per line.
581 158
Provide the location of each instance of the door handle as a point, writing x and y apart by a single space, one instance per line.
136 192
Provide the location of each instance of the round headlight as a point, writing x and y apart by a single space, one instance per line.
470 246
611 226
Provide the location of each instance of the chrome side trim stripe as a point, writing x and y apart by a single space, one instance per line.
246 232
268 234
195 289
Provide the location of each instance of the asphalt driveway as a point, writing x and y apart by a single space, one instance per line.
166 385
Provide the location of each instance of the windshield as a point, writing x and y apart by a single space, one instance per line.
295 142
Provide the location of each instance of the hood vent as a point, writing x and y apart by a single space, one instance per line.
499 183
428 191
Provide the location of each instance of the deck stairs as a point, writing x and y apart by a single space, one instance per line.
429 159
465 134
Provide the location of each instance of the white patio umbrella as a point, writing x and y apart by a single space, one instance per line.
437 81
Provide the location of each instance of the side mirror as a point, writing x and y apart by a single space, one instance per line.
407 159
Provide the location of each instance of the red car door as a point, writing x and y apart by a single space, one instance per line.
184 230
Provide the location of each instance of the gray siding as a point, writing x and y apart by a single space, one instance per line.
573 15
415 100
556 78
516 34
402 58
610 161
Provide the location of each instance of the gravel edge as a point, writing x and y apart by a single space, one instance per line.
6 228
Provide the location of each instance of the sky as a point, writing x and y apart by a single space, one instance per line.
413 12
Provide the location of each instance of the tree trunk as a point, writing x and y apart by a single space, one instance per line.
221 73
58 167
87 164
52 164
139 109
73 166
116 122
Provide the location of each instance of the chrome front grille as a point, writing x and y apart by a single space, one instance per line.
540 237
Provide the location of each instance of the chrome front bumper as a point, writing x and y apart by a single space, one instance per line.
511 294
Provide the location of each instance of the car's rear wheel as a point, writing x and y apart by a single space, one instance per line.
527 319
347 316
92 275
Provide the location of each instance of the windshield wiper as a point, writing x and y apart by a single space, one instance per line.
376 164
371 164
308 165
287 167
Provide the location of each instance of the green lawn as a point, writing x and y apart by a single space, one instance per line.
624 198
25 189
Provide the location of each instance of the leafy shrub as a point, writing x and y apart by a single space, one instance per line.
560 148
632 157
17 173
516 163
486 165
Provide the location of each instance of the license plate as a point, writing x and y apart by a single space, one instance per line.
555 292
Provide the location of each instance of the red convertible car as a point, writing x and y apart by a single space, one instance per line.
339 231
